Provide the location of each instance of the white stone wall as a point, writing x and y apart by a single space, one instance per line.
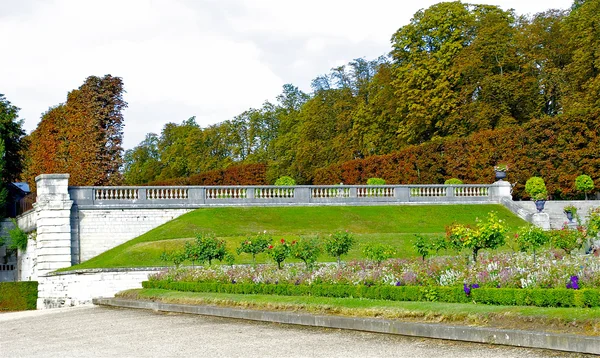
554 209
76 288
101 230
27 267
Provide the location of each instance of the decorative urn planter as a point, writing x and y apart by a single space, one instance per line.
569 216
500 174
539 205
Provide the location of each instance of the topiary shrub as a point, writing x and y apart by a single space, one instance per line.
375 181
536 188
285 181
584 183
453 181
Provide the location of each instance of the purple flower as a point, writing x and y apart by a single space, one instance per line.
467 289
475 285
398 283
574 283
232 281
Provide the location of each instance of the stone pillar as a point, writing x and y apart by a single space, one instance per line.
53 212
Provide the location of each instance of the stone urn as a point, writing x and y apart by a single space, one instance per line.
539 205
500 174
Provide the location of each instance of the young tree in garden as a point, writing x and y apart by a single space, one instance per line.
82 137
585 184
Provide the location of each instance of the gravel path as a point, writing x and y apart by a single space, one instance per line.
91 331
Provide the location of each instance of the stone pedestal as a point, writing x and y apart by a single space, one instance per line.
541 220
53 212
501 189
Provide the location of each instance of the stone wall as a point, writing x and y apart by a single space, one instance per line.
554 210
97 231
64 289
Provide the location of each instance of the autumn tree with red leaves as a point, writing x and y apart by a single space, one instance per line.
82 137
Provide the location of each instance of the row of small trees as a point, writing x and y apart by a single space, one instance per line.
206 249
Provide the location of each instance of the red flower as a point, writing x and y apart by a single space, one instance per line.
283 241
270 247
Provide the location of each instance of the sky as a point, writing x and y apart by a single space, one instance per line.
212 59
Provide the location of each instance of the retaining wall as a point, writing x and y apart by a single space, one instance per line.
72 288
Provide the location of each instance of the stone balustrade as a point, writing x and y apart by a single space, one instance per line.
202 196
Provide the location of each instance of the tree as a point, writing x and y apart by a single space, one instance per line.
13 136
584 183
142 163
82 137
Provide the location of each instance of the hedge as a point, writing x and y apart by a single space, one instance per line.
491 296
558 149
18 296
246 174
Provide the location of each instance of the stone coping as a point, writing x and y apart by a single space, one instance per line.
519 338
104 270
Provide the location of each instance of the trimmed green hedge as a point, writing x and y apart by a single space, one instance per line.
490 296
18 296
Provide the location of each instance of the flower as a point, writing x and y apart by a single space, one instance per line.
574 283
270 247
467 289
283 241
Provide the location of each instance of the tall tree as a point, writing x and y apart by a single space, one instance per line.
82 137
12 133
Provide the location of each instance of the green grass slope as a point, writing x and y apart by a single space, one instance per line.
393 225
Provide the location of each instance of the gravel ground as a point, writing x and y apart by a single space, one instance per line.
90 331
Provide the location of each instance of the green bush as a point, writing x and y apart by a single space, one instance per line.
536 188
567 239
492 296
375 181
584 183
453 181
530 238
285 181
593 222
18 238
18 296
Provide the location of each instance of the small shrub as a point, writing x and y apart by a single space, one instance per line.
255 245
279 252
536 188
307 250
379 252
285 181
339 244
584 183
375 181
18 238
453 181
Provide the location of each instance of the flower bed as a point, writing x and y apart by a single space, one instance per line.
518 271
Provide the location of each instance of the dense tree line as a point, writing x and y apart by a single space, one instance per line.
454 70
12 143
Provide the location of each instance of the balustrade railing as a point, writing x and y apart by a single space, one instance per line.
198 196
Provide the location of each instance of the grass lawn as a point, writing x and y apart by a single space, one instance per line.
393 225
564 320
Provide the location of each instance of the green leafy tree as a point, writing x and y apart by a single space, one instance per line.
339 244
279 252
255 245
379 252
307 250
536 188
208 248
285 181
12 144
585 184
530 238
489 234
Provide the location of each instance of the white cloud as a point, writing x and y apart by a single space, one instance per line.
179 58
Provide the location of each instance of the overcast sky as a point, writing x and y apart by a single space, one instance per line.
211 59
